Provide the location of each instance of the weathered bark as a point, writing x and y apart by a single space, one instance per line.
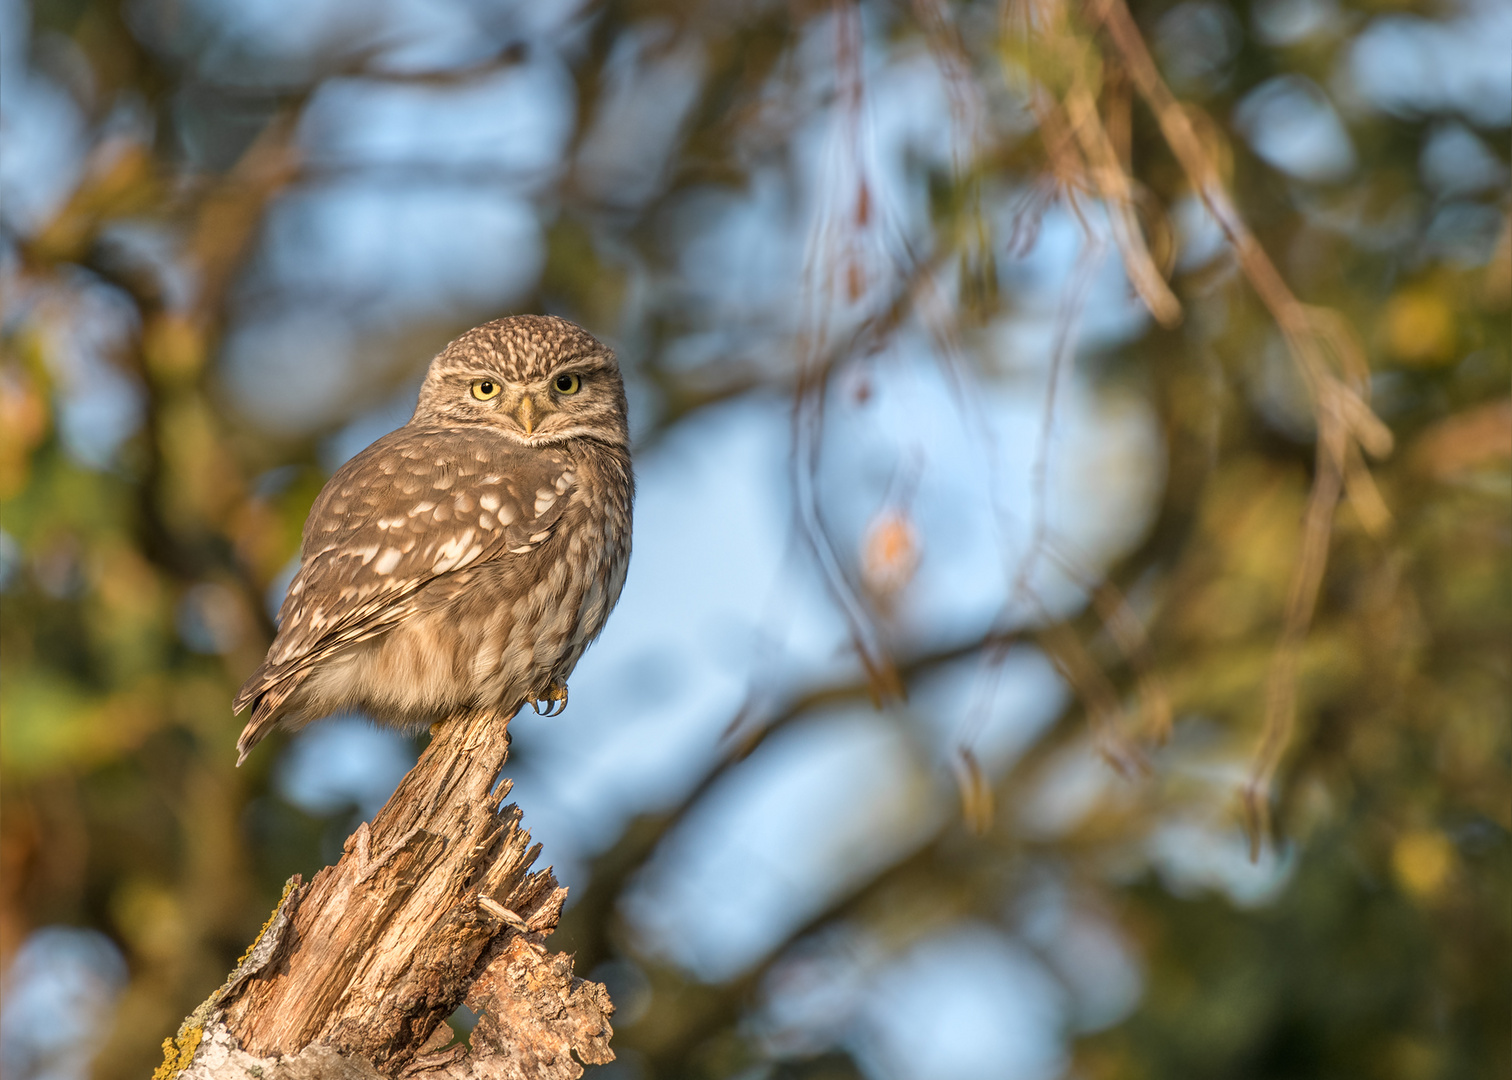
431 907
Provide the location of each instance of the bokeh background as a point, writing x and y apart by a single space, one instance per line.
1073 448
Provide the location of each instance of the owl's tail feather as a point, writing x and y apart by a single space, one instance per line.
265 717
256 685
251 735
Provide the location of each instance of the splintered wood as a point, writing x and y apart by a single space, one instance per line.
432 907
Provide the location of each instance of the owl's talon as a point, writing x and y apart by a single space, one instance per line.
555 700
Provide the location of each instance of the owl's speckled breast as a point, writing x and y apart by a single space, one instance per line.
496 635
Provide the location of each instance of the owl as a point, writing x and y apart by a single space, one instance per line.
466 560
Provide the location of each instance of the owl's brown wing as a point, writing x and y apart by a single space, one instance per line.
417 504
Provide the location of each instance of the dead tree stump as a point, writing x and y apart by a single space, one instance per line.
432 906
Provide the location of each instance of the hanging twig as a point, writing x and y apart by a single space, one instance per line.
1345 421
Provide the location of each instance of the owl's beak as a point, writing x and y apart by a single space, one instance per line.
529 412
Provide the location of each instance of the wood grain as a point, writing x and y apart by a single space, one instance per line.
431 906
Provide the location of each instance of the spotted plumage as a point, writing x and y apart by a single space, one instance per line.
465 561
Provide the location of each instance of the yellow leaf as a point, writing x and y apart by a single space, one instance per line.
1420 328
1423 860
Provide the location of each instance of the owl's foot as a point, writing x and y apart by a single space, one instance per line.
555 700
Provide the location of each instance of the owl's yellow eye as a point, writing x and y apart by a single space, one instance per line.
567 384
484 389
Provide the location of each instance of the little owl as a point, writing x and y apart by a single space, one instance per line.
465 561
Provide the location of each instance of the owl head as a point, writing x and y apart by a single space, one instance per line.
537 378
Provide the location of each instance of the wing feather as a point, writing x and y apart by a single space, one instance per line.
416 505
